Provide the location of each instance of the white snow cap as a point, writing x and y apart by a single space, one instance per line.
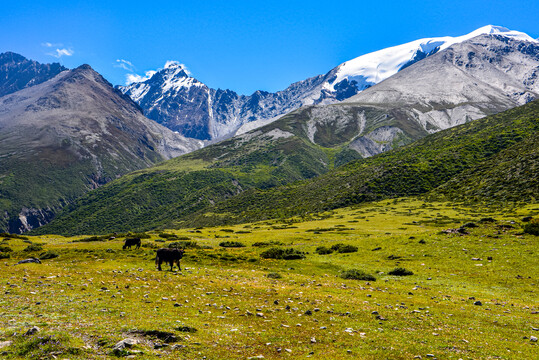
372 68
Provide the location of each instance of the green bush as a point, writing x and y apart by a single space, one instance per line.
266 243
322 250
184 245
93 238
355 274
48 255
5 249
13 236
33 247
342 248
284 254
400 272
231 244
274 275
532 227
4 255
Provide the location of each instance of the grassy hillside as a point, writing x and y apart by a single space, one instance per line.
169 196
512 175
277 154
232 303
496 150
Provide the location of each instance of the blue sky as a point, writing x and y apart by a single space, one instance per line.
239 45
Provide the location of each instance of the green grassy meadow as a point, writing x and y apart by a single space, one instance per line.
94 294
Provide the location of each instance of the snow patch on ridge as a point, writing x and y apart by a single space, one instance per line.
372 68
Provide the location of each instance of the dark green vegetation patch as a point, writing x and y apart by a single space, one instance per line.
284 254
355 274
399 271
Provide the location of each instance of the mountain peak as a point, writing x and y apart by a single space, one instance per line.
500 30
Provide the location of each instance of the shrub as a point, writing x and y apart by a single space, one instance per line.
231 244
400 272
33 247
532 227
284 254
5 249
93 238
13 236
274 275
322 250
487 220
4 255
342 248
48 255
166 236
267 243
188 329
184 245
137 235
355 274
469 225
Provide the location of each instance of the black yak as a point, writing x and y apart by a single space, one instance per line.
170 256
131 242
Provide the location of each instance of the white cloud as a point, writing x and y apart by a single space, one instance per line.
61 52
49 45
124 64
131 78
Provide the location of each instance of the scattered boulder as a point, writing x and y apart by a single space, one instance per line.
125 343
4 344
32 331
30 260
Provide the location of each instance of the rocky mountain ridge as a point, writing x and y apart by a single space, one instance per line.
68 135
17 72
175 99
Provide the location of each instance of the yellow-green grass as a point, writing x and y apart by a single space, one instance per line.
96 294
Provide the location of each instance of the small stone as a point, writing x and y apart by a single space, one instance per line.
308 312
478 303
313 340
32 331
176 305
533 338
276 302
125 343
349 351
430 355
260 314
288 350
256 357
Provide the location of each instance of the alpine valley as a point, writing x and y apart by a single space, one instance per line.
387 209
484 75
69 131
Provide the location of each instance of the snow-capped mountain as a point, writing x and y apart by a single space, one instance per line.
180 102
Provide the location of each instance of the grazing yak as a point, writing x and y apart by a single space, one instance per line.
131 242
170 256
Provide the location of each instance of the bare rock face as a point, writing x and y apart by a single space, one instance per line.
467 81
17 72
68 135
182 103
